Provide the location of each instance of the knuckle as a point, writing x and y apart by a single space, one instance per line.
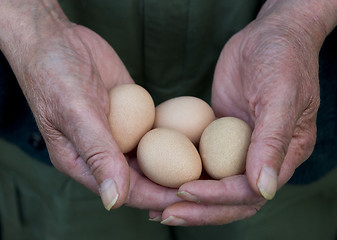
99 161
95 161
275 147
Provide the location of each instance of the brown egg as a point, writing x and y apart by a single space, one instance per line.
168 157
223 147
131 115
189 115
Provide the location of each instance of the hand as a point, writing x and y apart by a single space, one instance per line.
65 72
73 119
267 75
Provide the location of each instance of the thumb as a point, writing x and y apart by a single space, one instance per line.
269 145
86 151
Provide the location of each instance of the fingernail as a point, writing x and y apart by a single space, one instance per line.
156 219
173 221
109 194
267 182
188 196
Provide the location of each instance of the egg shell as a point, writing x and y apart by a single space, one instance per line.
223 147
132 113
189 115
168 157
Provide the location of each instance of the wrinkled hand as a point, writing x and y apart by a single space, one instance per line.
72 110
267 75
65 74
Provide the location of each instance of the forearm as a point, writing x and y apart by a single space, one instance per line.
24 23
309 17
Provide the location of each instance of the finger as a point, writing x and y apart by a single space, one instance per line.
272 134
89 133
145 194
193 214
233 190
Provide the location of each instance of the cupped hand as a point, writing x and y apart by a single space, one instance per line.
66 79
267 75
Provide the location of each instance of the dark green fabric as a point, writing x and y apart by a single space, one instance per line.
170 47
37 202
17 123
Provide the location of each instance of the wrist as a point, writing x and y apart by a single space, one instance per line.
25 23
311 19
